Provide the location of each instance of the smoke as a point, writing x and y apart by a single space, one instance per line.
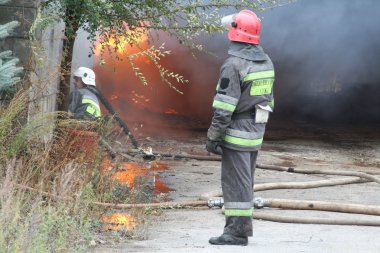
157 103
82 54
326 55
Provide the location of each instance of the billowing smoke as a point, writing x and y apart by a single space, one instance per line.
327 59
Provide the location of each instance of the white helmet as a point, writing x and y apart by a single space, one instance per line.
87 75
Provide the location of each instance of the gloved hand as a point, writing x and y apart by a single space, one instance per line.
214 147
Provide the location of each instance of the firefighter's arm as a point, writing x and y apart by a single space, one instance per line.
74 102
225 101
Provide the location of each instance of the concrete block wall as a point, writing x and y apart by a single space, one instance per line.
25 12
40 58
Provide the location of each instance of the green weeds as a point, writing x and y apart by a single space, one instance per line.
46 183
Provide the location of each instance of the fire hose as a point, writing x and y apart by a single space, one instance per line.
277 203
175 156
316 205
265 166
258 203
309 220
303 205
292 185
326 172
109 107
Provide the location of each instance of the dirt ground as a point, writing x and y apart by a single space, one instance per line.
188 230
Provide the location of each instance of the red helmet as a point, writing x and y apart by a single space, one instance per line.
245 27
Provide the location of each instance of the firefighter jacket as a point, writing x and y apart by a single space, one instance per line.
83 104
243 99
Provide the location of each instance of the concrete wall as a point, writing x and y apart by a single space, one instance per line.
40 58
45 74
23 11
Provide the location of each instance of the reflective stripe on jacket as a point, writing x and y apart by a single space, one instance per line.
84 104
246 81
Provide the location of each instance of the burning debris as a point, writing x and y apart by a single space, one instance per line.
119 221
144 180
133 174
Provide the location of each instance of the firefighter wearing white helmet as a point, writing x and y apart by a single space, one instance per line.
242 103
83 104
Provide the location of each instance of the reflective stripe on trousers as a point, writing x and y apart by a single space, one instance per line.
238 209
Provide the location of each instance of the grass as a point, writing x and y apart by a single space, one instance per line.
47 184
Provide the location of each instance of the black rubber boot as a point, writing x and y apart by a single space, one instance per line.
227 239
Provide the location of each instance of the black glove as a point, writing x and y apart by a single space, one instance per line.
214 147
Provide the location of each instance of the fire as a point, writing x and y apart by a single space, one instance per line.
161 187
128 172
121 44
119 221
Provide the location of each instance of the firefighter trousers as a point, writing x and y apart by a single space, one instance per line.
238 170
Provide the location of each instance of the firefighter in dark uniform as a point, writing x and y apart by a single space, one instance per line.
242 104
83 104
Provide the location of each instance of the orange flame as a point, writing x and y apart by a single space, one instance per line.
129 171
121 44
128 176
119 221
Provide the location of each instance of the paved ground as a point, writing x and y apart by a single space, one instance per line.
188 230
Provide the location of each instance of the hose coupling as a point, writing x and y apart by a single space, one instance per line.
219 202
258 203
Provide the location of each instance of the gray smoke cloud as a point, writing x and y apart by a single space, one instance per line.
327 57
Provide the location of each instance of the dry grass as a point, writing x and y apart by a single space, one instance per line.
46 186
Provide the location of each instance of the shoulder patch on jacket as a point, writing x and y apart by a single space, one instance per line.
224 82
